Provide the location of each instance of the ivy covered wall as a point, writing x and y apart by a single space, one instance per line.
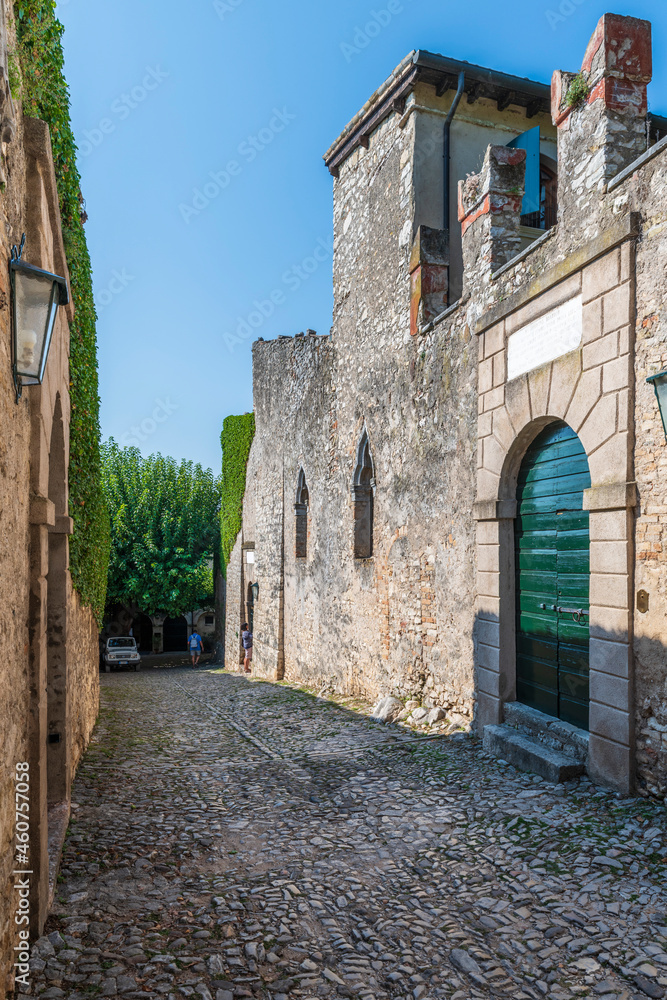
43 92
236 439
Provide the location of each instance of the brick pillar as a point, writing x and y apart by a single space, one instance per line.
429 276
490 213
601 112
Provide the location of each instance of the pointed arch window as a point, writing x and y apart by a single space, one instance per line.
301 512
363 486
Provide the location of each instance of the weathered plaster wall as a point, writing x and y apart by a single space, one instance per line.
82 680
49 672
474 127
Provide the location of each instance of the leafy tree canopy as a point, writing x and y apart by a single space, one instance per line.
164 531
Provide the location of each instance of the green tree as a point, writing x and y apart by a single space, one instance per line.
164 531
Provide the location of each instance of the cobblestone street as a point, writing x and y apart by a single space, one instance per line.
238 839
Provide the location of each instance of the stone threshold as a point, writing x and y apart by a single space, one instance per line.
560 736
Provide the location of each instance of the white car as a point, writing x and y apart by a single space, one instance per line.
121 651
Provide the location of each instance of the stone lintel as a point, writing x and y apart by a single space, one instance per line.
494 510
626 229
611 496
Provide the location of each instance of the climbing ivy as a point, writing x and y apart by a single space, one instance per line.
236 439
44 94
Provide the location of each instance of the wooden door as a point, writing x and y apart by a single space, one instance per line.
552 577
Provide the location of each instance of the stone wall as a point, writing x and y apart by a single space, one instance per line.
645 190
234 607
83 682
431 612
400 621
49 674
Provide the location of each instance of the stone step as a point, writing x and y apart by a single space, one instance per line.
530 755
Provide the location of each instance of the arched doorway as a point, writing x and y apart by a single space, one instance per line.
142 630
362 491
552 564
175 635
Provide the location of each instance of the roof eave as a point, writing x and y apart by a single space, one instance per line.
442 72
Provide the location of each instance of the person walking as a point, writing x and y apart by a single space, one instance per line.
196 645
246 639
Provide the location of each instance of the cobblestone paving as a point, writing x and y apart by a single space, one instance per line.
237 839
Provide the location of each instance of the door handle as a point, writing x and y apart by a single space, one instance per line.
577 613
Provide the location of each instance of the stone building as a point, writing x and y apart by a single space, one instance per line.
161 633
49 671
457 495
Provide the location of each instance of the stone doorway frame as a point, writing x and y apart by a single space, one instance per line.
591 389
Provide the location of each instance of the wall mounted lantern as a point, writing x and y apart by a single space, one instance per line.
36 295
659 383
255 592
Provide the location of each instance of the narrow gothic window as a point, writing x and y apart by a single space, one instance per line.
362 492
301 509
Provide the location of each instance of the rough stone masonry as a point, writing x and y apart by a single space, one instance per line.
431 614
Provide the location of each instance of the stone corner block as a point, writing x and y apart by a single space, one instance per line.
494 510
42 511
611 496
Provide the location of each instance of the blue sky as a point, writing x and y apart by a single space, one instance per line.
201 128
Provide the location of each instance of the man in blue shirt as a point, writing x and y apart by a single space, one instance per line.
196 646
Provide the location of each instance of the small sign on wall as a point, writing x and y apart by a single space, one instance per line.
549 337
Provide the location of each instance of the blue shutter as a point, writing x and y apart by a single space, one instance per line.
530 141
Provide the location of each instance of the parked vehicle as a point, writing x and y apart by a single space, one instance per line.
121 651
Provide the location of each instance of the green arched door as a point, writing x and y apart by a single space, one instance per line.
552 576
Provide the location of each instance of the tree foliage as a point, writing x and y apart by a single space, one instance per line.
236 439
164 531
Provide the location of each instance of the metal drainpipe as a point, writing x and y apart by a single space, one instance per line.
445 153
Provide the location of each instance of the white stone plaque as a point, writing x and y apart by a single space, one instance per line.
556 333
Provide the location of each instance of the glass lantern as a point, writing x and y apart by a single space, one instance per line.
36 296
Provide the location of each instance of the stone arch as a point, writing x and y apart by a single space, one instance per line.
175 634
516 452
301 516
609 500
142 630
363 489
